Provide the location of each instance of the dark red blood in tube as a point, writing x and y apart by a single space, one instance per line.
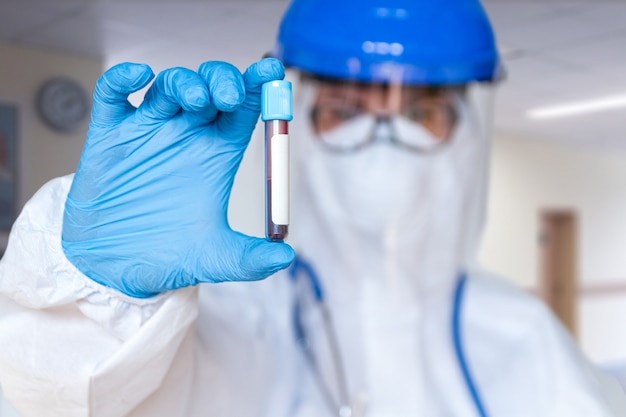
275 232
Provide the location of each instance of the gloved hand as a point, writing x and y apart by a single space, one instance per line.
147 211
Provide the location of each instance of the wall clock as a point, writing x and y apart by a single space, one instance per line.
62 104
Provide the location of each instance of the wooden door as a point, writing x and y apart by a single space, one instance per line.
558 280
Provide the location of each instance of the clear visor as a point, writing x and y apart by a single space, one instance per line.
347 116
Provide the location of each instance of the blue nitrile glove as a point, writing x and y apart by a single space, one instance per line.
147 211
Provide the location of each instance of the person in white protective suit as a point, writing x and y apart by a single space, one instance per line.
114 298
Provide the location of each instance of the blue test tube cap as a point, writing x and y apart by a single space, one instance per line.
276 101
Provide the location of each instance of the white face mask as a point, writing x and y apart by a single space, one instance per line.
377 188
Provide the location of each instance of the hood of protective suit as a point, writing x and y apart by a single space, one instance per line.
388 231
403 221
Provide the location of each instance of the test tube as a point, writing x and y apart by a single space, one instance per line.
276 112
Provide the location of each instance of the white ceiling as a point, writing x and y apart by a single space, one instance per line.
555 51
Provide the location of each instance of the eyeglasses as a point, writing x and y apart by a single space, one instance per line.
349 116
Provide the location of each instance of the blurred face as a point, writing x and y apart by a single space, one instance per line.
390 207
407 110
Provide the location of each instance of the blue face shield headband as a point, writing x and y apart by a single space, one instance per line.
405 41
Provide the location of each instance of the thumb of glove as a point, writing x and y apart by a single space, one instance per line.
258 259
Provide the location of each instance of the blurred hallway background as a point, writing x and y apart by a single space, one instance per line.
556 53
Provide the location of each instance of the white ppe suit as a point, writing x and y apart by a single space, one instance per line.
70 347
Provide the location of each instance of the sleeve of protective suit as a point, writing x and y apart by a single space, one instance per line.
69 346
526 362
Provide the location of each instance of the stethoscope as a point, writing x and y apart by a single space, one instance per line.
341 405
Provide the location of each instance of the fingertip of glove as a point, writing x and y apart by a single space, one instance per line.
227 98
272 68
137 74
123 78
267 69
270 257
283 254
196 98
225 83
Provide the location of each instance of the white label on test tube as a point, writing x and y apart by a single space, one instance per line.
280 179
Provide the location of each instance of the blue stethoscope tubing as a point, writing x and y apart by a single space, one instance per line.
300 265
458 346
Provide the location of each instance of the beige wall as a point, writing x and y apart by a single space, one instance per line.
528 176
42 153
